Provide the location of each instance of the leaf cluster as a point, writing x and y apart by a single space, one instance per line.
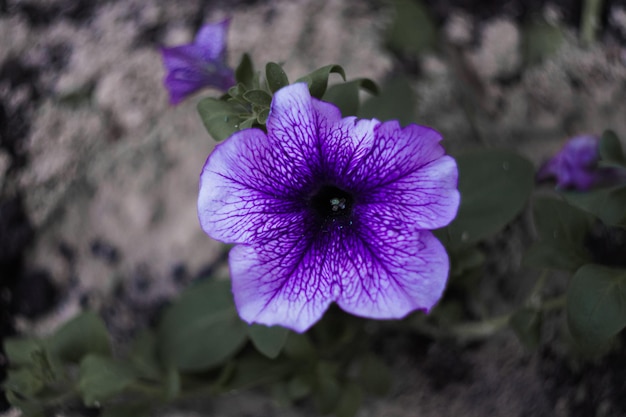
584 233
199 347
248 103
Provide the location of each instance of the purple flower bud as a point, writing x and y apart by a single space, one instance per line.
199 64
328 209
576 167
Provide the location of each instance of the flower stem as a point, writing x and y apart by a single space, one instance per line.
590 21
473 331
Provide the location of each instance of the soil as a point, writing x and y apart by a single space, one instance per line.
98 175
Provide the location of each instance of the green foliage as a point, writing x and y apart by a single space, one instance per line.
465 260
258 98
346 95
28 407
590 20
248 103
610 150
526 323
268 340
202 329
318 79
495 186
21 351
126 410
84 334
299 387
275 77
253 369
374 375
396 101
596 305
299 346
608 204
327 390
349 401
221 118
24 381
245 74
562 229
101 378
144 356
413 30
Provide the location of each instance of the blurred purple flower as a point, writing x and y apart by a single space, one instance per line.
575 166
199 64
329 209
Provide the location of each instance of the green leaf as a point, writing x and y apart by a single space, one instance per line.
23 381
143 356
221 118
263 115
350 401
19 351
413 31
494 186
84 334
608 204
318 79
610 150
245 72
465 260
236 90
596 305
346 95
201 329
327 390
275 77
395 101
268 340
526 323
248 123
126 410
299 346
252 370
562 229
26 407
375 376
258 97
101 378
540 40
172 383
48 367
299 387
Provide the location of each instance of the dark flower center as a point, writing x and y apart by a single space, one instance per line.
331 202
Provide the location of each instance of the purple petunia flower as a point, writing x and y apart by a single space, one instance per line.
575 166
199 64
329 209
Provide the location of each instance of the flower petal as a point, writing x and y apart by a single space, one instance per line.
286 282
293 125
345 144
402 171
188 72
212 40
395 153
246 189
389 272
426 198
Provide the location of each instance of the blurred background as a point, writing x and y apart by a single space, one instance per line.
99 175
